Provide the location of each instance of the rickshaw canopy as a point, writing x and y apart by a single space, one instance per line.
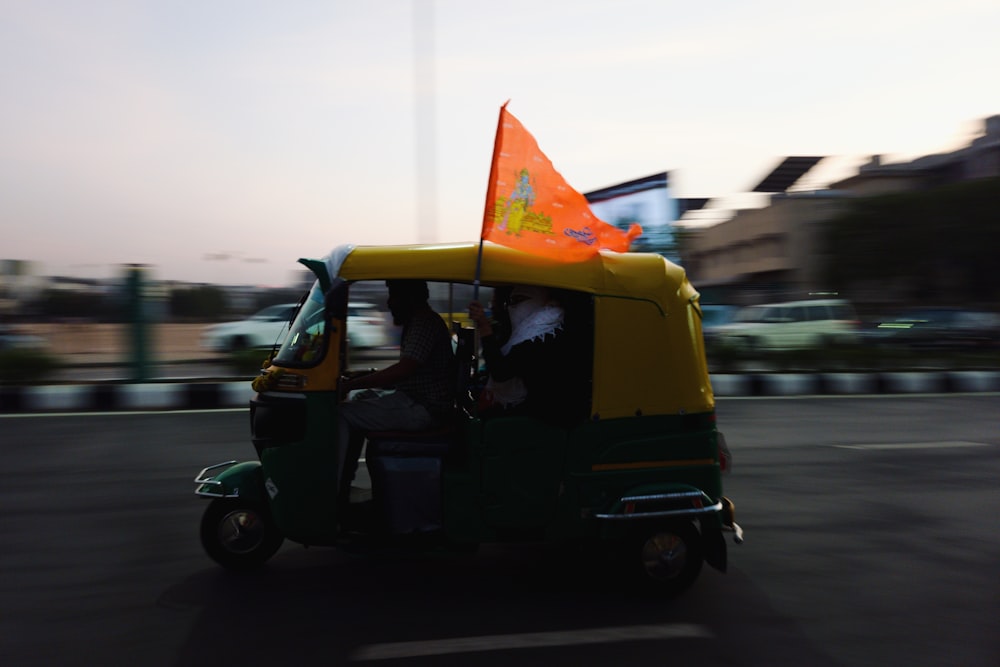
648 356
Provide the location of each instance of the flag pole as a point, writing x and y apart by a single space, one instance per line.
491 199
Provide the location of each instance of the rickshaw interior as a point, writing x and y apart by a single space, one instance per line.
400 472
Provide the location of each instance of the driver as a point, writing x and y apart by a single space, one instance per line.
414 394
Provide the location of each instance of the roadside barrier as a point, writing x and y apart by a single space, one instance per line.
109 397
805 384
192 395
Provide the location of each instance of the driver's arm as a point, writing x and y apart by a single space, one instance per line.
387 377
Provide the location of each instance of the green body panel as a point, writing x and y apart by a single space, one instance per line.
667 453
301 476
506 485
462 489
522 464
523 478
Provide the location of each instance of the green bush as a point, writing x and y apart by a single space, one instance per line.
206 302
246 362
26 366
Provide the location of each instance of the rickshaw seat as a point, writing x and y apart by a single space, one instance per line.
431 442
405 469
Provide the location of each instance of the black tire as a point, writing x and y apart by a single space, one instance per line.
665 559
239 343
239 535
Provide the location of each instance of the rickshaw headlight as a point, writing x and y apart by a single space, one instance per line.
291 381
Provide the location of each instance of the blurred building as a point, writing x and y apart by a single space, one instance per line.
648 202
19 282
770 253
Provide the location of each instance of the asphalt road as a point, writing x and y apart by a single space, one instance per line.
871 539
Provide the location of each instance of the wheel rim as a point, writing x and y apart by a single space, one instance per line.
241 531
664 556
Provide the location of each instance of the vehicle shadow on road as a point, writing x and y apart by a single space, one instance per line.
324 604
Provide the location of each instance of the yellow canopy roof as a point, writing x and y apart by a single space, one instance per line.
634 275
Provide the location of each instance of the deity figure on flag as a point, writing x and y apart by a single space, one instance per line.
515 206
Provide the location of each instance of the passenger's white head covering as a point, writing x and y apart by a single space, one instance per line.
533 315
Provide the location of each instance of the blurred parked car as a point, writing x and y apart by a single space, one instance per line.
714 316
366 326
11 339
791 325
938 327
261 330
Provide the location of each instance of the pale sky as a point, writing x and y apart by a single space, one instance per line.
170 132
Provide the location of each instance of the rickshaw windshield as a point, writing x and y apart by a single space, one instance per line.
306 338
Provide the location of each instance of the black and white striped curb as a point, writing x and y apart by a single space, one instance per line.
123 397
237 394
809 384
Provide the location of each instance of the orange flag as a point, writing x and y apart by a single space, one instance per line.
529 206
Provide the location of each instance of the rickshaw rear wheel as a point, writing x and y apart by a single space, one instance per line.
239 535
665 559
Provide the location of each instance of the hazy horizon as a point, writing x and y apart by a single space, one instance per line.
221 142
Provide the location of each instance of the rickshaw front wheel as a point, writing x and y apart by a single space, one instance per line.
666 558
239 535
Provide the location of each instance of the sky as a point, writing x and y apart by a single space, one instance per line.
220 141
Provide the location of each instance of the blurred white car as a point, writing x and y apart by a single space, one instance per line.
938 328
367 326
714 316
263 329
790 325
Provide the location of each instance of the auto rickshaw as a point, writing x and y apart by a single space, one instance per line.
640 473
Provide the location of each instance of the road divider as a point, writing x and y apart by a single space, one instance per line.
198 395
806 384
126 396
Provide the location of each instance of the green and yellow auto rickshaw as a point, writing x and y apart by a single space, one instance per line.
640 473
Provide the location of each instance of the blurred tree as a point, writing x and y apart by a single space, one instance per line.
936 245
57 303
277 295
205 302
682 241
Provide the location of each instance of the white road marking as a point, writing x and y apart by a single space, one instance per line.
917 445
530 640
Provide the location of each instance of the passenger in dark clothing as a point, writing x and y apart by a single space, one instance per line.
531 372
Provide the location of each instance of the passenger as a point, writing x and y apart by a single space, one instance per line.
529 372
414 394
